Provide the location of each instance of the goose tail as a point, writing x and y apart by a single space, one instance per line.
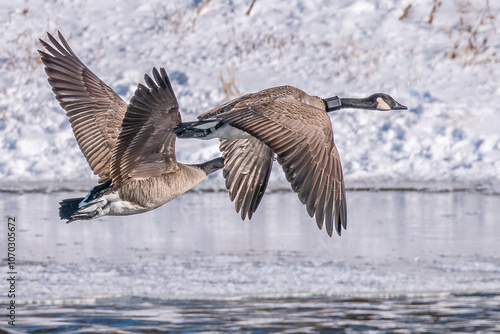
68 207
84 208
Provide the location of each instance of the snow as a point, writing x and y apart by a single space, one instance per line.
450 135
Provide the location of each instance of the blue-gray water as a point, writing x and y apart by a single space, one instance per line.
409 262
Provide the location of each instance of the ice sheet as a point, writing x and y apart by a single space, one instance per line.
397 243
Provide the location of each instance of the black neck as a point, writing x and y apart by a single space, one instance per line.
212 165
336 103
358 103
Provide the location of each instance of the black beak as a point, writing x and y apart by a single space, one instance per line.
399 106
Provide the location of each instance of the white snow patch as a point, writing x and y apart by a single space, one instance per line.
348 48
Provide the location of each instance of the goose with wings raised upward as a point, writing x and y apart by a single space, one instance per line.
130 147
296 127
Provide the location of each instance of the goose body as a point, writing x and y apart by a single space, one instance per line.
130 147
286 122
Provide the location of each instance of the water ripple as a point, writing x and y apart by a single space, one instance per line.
430 314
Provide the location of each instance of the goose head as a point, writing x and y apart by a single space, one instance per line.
383 101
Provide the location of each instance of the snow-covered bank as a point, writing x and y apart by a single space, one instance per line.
444 71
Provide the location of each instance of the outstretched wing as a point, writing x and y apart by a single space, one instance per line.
302 137
95 111
247 166
146 144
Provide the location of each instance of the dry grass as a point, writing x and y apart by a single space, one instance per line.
203 5
247 43
251 6
229 85
472 43
476 21
406 13
167 19
435 7
29 58
206 2
28 25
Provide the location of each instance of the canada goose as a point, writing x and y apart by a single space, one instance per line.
293 125
131 148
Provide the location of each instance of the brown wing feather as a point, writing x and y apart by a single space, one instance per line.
248 162
302 137
146 144
95 111
265 95
247 166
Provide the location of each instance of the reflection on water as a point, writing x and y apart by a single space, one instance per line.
409 262
432 314
380 225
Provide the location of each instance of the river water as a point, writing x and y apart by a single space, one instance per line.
409 262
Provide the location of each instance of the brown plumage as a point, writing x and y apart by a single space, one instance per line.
131 148
301 136
95 111
296 127
247 168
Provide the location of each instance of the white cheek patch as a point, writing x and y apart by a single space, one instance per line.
382 105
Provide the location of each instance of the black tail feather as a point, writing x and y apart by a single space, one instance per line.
68 207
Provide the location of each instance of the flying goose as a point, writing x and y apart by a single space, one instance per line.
131 148
296 127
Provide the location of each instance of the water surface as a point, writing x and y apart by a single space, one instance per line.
409 262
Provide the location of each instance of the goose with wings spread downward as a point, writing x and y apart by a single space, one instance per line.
286 122
130 147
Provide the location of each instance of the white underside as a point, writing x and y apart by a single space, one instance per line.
227 131
111 205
